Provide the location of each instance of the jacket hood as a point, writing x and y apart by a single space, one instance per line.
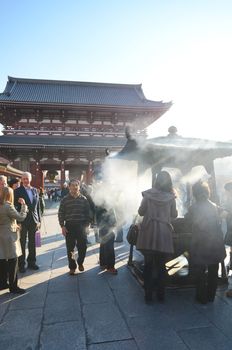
158 196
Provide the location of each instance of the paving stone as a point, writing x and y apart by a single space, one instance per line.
104 322
5 300
69 335
219 314
63 283
132 304
118 345
149 336
54 239
20 329
123 280
33 298
208 338
35 277
60 258
93 252
62 307
44 258
95 290
91 272
182 312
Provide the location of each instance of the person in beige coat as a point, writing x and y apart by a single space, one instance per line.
10 248
155 241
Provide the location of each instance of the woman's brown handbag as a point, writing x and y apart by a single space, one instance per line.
132 234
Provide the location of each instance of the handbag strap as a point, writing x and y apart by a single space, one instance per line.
135 219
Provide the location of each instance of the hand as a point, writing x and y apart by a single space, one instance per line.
38 225
64 231
21 201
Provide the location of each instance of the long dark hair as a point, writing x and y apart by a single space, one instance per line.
163 182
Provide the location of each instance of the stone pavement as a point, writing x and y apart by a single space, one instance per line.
97 311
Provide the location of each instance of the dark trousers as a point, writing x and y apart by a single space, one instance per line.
28 231
8 272
76 237
155 271
106 255
206 283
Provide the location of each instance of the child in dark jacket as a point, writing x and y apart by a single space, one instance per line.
106 221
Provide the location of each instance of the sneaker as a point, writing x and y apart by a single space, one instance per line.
103 267
81 267
17 290
72 272
33 267
112 270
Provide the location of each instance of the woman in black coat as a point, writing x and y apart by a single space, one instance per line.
207 245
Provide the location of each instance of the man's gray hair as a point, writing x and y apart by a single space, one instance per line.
27 174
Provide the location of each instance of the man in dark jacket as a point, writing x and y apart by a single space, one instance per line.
31 223
74 218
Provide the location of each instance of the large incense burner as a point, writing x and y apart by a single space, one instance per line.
174 151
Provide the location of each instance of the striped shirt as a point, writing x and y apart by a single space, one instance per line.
74 210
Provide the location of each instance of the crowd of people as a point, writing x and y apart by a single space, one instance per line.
21 209
22 206
55 194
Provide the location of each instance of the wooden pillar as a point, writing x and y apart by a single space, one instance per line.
89 173
16 164
62 172
33 173
37 174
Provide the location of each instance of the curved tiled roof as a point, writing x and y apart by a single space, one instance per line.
76 93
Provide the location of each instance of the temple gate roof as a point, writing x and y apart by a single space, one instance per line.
19 90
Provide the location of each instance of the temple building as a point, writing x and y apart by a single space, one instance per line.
60 126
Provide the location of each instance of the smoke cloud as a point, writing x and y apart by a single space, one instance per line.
121 188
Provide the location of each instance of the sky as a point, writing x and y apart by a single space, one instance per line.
179 50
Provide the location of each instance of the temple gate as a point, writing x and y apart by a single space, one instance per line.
65 125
